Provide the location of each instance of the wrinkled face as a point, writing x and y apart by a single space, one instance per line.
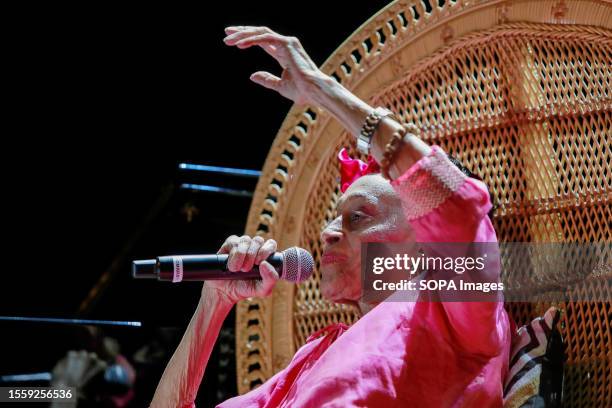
369 211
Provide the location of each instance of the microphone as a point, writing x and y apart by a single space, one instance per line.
293 264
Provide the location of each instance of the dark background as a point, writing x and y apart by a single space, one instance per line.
104 102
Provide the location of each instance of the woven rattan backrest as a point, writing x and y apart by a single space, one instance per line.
521 99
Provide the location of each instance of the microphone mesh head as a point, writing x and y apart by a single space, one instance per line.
298 265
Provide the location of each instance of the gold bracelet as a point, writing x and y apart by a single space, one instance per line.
369 127
391 149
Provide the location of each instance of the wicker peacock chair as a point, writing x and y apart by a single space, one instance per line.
521 92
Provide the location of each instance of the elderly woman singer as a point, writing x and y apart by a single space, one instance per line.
405 354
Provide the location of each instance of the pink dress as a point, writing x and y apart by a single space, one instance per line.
408 354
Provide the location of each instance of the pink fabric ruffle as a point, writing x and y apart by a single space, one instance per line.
351 169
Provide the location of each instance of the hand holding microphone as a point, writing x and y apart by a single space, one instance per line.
243 253
243 267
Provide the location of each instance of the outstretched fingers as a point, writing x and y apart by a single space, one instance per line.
260 39
266 80
235 34
263 37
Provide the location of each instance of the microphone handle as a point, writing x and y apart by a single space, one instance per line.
209 267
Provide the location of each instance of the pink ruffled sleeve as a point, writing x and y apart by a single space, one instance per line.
442 204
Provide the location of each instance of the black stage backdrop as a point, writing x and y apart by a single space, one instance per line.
104 101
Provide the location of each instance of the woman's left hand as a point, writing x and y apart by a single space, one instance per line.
300 74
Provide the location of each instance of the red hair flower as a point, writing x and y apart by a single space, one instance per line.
351 169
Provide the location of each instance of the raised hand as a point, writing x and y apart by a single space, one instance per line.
299 72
